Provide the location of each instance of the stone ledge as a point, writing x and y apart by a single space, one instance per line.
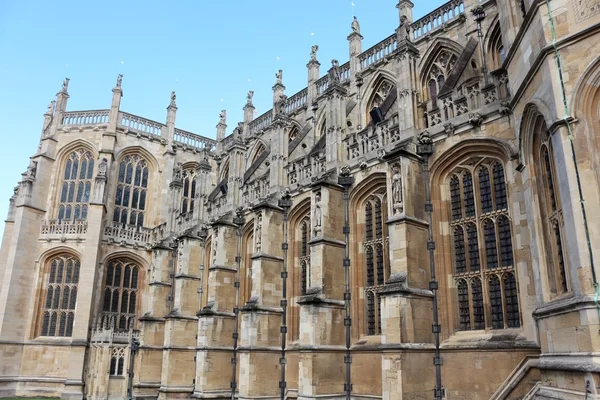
265 256
564 305
403 218
315 297
222 268
327 241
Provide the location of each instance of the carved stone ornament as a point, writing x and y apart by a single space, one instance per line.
177 172
279 77
334 72
355 26
449 128
258 232
249 97
313 52
223 117
504 108
173 98
318 215
65 86
404 30
102 167
424 138
119 80
475 119
397 187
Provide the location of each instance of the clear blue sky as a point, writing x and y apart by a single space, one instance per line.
210 52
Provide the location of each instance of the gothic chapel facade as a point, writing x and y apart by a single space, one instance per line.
466 148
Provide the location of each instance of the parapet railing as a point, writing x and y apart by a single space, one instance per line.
297 101
193 140
141 125
378 52
261 122
90 117
127 233
322 84
437 18
63 227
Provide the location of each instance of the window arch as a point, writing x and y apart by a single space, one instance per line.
304 259
120 294
376 251
495 48
189 191
132 187
61 296
383 88
482 246
117 361
76 186
438 72
552 216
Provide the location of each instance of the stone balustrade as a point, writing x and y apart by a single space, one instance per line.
140 125
195 141
306 168
261 122
297 101
253 192
378 52
127 234
322 84
80 118
345 72
184 221
158 233
367 142
437 18
63 229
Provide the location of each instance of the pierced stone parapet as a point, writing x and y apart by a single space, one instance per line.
438 18
77 118
62 229
127 234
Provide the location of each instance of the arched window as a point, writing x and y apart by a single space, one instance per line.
120 294
304 258
482 246
117 361
495 48
130 202
438 73
384 88
76 186
60 296
189 191
376 259
551 212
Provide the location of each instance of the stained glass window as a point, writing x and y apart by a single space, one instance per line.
477 295
76 186
500 187
560 258
513 318
378 220
474 262
496 302
370 272
369 220
491 252
61 296
370 313
455 197
189 191
460 261
506 251
304 255
130 201
485 190
464 309
120 293
468 193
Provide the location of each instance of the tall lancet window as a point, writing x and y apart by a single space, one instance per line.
120 294
375 250
130 202
61 296
189 191
482 247
304 258
76 186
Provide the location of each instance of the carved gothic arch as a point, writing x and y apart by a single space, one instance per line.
224 170
535 110
149 157
141 261
258 148
437 64
381 86
65 151
494 45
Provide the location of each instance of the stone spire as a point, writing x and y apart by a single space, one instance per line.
355 42
115 105
313 73
171 114
221 128
405 9
279 97
62 97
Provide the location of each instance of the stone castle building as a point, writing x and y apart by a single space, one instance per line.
466 148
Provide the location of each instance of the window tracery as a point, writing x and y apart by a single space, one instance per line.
376 260
304 258
130 201
61 296
551 211
483 252
189 191
117 361
76 186
438 73
120 294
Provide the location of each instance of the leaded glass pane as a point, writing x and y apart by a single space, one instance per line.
129 174
369 221
61 296
455 198
464 310
513 318
468 194
378 220
303 277
303 243
485 190
549 178
370 313
491 251
478 313
113 365
379 315
560 258
120 294
496 302
460 262
120 366
370 271
76 186
474 261
506 251
500 187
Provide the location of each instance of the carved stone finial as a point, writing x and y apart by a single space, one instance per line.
475 119
449 128
334 72
313 52
173 97
404 29
397 195
239 212
279 77
317 215
178 172
119 80
249 97
223 117
31 170
345 171
355 26
102 167
504 108
50 110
